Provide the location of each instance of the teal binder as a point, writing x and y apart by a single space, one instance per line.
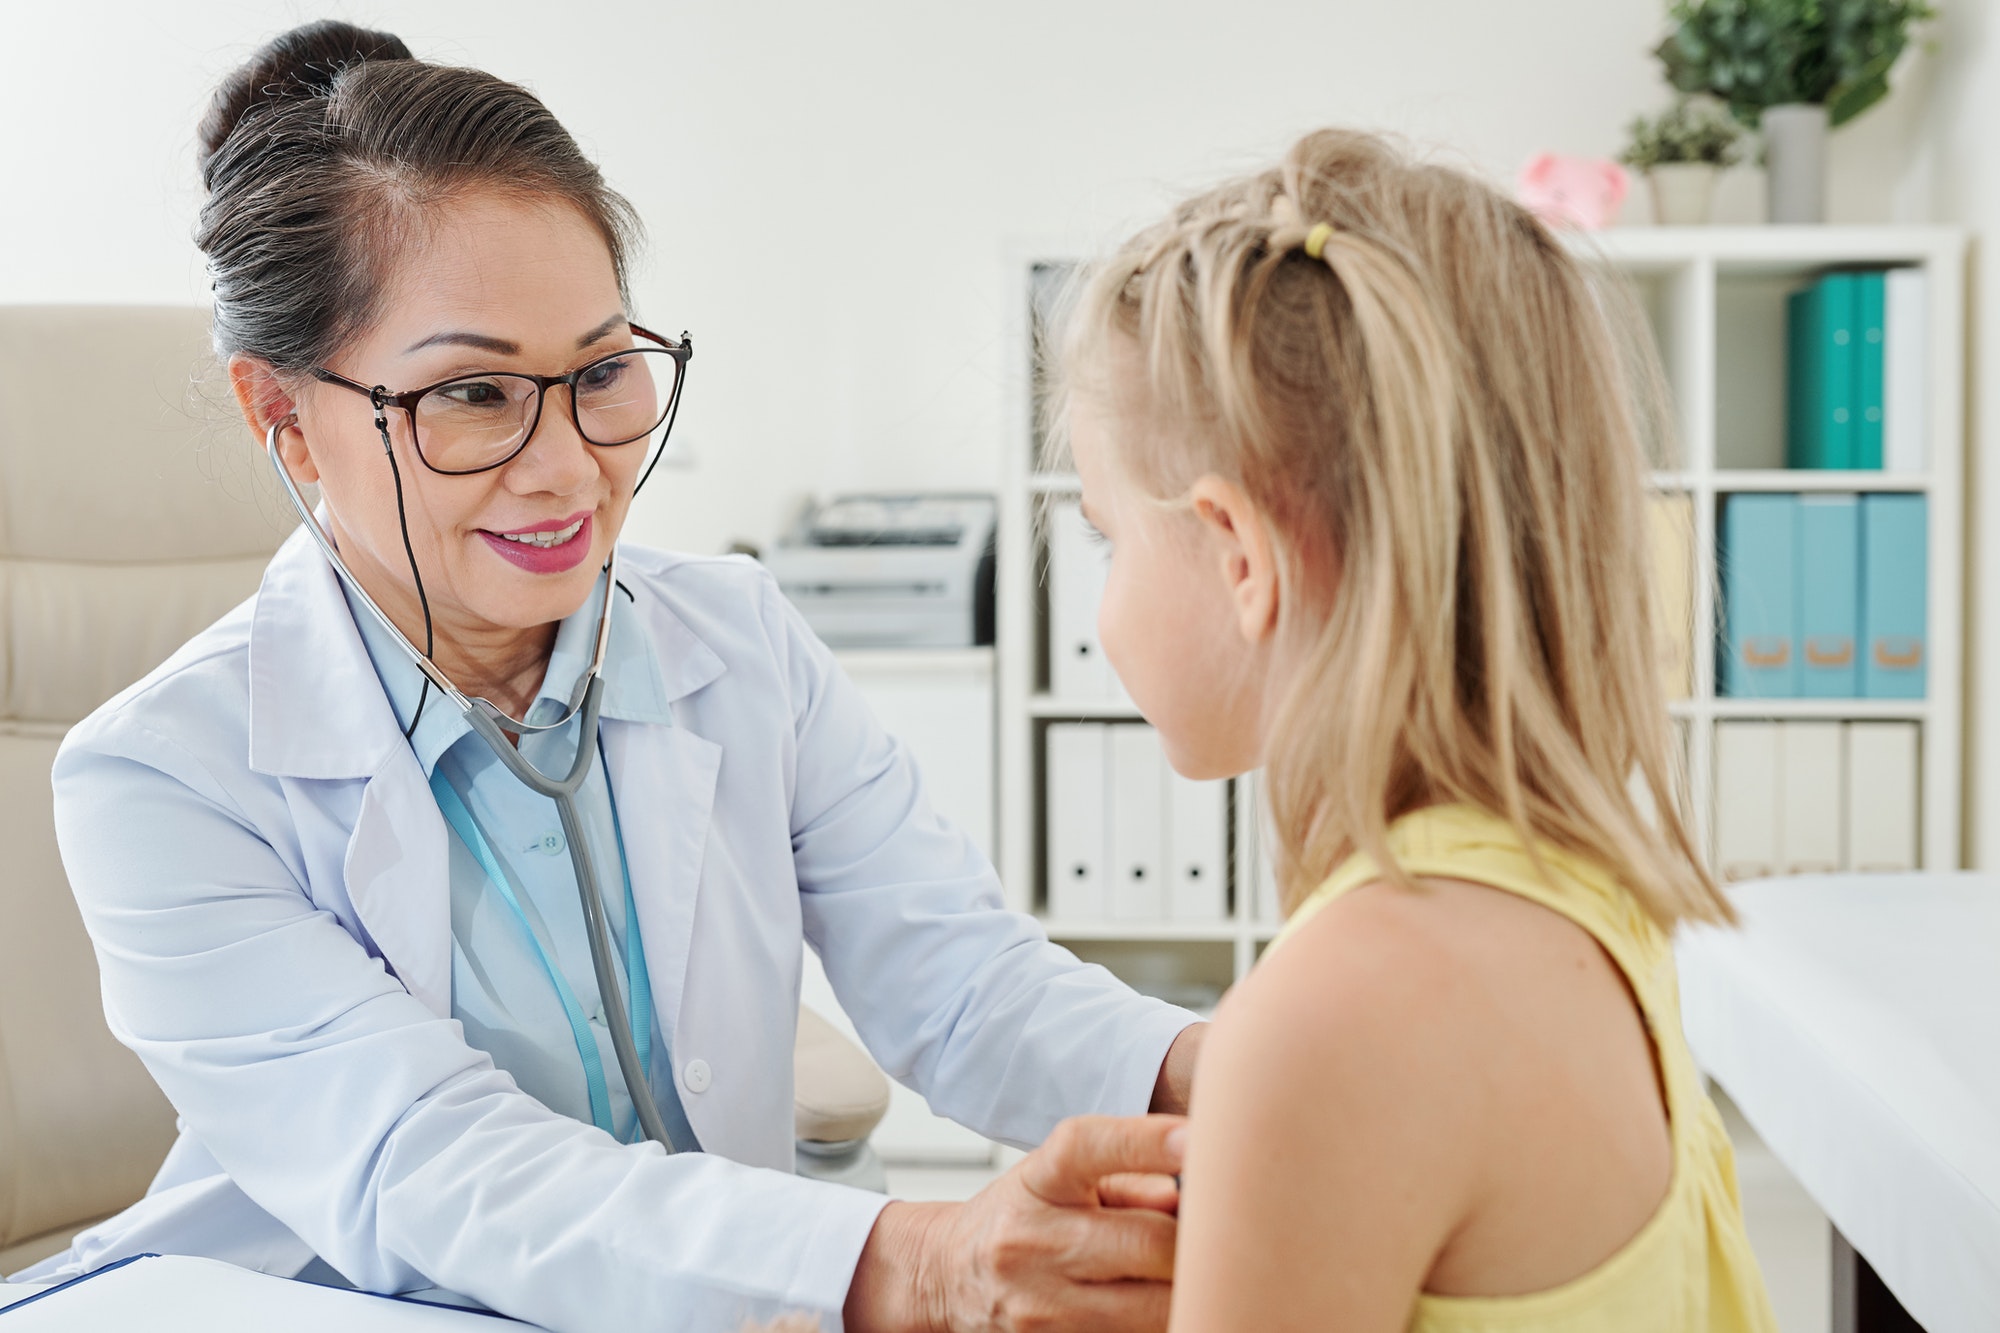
1894 596
1759 560
1829 571
1804 445
1870 292
1820 322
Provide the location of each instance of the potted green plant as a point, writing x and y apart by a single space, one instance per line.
1681 150
1792 68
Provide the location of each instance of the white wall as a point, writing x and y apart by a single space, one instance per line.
1954 176
831 187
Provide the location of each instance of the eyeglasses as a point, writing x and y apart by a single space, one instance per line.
474 423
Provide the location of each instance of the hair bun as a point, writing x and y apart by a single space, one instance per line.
297 64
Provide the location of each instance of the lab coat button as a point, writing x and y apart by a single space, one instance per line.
552 843
696 1076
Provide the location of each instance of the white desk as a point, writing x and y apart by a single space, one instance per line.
1855 1020
176 1294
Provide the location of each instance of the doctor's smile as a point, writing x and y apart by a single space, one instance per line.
544 548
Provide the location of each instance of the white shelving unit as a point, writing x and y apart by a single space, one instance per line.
1714 298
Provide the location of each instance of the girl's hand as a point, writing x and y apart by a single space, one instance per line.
1078 1235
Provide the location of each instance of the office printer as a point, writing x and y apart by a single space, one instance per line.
892 571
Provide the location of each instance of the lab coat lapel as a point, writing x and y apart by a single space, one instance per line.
397 871
317 708
320 719
663 779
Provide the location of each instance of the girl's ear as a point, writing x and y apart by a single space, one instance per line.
263 400
1239 538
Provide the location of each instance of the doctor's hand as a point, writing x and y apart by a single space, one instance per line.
1080 1234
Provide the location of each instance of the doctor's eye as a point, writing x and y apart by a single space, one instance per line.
1094 534
605 375
472 394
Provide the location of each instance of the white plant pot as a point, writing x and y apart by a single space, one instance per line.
1795 159
1682 193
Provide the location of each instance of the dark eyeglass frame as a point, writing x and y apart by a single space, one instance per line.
682 351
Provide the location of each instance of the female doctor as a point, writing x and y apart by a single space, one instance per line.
347 941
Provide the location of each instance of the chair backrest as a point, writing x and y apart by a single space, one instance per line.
134 511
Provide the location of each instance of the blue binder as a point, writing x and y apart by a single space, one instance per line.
1895 591
1759 559
1829 568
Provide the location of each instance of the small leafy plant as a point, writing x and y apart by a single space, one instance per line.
1692 130
1754 54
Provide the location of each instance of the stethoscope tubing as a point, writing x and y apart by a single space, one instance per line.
487 719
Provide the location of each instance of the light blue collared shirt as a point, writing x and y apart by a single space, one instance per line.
499 991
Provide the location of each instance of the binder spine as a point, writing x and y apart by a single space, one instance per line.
1871 292
1829 568
1894 596
1760 597
1077 793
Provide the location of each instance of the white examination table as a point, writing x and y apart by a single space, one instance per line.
1855 1020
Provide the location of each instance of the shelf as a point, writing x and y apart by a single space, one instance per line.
1807 479
1081 710
1836 710
1166 932
1765 249
1714 300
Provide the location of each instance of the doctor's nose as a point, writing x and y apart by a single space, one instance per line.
555 457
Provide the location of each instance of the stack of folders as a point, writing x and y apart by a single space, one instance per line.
1797 798
1078 563
1824 597
1129 839
1855 372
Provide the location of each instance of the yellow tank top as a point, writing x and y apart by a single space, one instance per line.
1690 1267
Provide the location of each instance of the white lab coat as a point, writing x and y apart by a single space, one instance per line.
262 868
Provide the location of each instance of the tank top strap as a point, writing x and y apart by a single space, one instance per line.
1466 843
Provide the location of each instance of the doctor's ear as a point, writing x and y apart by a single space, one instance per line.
264 399
1237 536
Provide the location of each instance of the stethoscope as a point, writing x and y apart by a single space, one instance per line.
488 720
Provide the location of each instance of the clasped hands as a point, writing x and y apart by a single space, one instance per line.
1079 1234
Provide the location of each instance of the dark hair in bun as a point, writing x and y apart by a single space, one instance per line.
298 64
324 154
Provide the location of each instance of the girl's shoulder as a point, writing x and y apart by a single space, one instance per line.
1441 1067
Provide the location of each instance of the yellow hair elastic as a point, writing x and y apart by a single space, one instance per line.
1316 239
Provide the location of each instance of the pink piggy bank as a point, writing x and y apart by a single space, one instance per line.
1584 192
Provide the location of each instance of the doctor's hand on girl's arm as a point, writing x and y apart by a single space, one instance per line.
1078 1235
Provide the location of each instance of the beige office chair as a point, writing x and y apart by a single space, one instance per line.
134 511
129 519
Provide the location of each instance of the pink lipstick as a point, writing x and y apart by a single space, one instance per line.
552 547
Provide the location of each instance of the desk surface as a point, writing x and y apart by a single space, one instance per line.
177 1294
1855 1020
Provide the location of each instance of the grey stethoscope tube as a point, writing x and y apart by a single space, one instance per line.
487 720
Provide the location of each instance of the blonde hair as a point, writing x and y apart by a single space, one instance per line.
1440 419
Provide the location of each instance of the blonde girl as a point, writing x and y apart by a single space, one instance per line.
1369 460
